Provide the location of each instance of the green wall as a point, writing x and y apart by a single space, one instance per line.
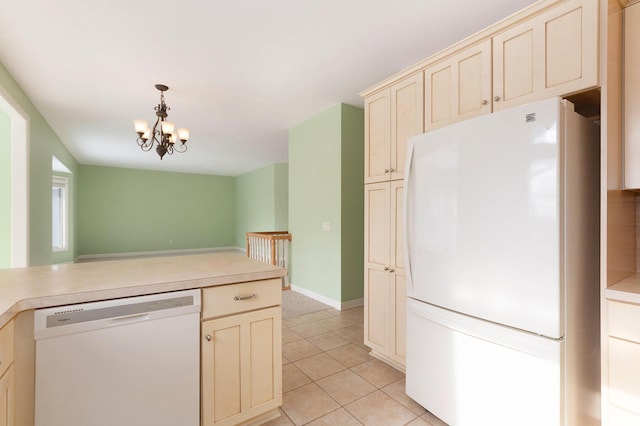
125 210
5 191
281 174
43 143
261 201
352 203
326 155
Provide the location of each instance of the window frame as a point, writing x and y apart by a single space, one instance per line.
62 183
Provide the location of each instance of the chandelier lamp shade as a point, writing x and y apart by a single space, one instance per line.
163 134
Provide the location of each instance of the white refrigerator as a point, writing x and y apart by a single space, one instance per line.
502 255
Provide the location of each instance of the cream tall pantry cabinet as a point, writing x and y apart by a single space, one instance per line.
241 352
391 117
548 49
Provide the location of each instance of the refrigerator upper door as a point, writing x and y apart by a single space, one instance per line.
483 217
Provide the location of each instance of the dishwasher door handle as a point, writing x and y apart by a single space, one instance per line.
129 319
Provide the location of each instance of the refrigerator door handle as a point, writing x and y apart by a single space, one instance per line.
407 213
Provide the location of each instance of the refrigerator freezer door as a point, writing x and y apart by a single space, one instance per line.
483 217
471 372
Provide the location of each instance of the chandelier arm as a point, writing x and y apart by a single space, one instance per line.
154 132
145 145
180 147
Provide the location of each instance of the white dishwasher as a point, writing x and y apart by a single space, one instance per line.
126 362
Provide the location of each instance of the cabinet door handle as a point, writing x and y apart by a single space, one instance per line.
386 170
208 337
496 98
392 270
485 102
252 296
386 268
392 170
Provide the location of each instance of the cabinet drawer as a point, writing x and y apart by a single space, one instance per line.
234 298
624 320
624 374
6 347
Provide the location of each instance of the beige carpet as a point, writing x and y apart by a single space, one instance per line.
294 304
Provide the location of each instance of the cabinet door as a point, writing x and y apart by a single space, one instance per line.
400 315
377 243
458 87
385 288
377 221
398 289
552 54
632 96
396 227
241 366
377 137
407 100
6 398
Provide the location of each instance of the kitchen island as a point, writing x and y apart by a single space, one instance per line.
221 275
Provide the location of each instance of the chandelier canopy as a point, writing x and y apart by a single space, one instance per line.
164 136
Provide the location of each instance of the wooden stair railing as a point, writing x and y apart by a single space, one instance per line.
270 247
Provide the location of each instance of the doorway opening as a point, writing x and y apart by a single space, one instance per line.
18 182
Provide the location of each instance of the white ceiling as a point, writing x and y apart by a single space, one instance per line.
240 72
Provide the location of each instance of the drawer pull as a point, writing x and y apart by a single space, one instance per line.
253 296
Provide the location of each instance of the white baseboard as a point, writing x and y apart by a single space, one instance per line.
140 254
327 301
353 303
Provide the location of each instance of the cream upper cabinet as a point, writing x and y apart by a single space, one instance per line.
391 117
552 54
377 137
407 100
385 288
631 87
459 87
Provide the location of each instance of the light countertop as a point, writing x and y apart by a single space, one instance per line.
36 287
627 290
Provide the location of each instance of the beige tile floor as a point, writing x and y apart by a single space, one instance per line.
329 378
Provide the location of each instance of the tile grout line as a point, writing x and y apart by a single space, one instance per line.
301 321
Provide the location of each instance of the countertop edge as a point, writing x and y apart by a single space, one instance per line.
117 292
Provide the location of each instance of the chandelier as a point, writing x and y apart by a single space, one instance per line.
164 136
